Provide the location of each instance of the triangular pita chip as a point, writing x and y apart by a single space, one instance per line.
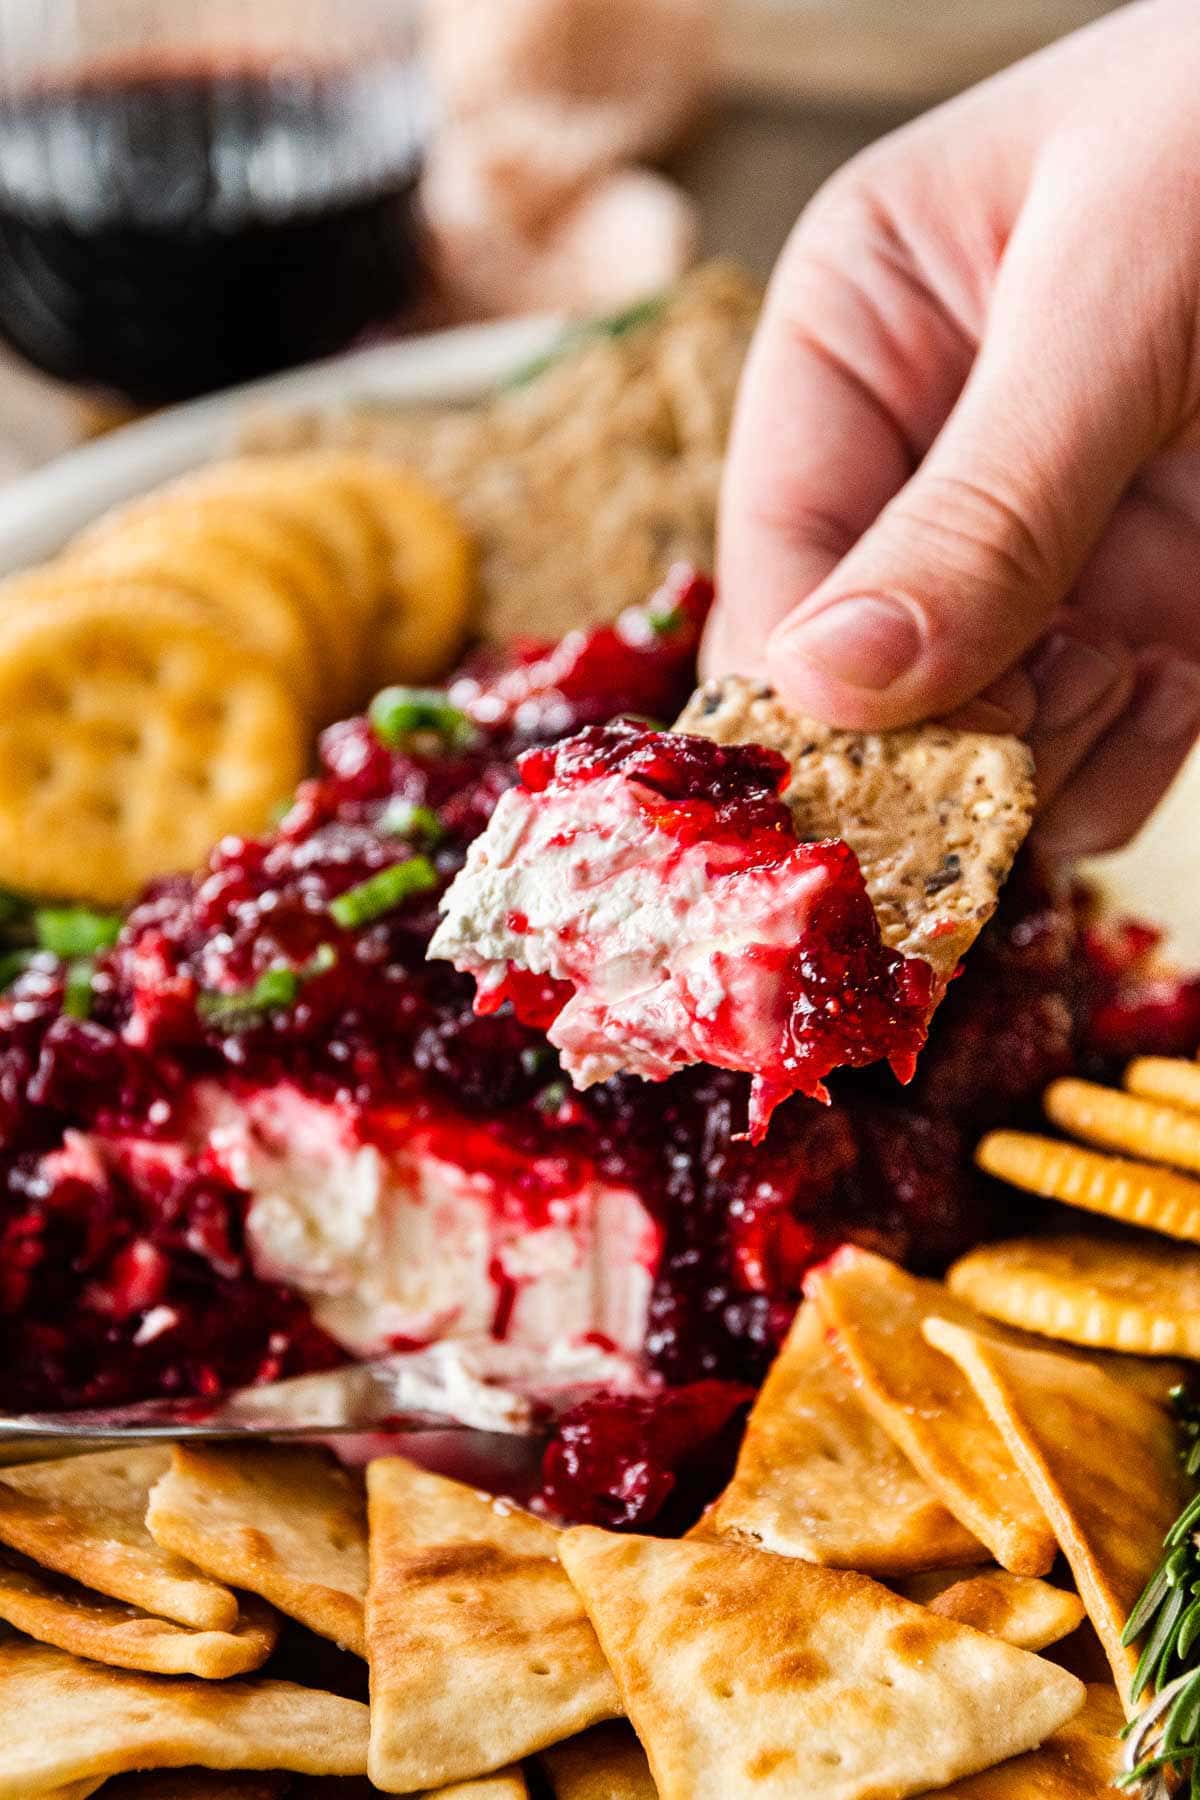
926 1405
1101 1459
63 1719
817 1477
1079 1762
85 1516
1021 1609
935 816
197 1784
75 1790
58 1611
605 1763
746 1674
509 1784
287 1523
480 1650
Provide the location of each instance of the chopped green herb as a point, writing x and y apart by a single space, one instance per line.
12 964
68 931
553 1097
404 819
607 325
77 994
276 987
661 623
381 892
398 714
538 1059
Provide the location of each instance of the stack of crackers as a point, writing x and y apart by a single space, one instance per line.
584 481
162 681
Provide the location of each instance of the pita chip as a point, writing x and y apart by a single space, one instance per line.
605 1763
935 816
196 1784
85 1517
57 1611
63 1720
1020 1609
509 1784
746 1674
1101 1458
817 1477
287 1523
480 1650
928 1408
1080 1761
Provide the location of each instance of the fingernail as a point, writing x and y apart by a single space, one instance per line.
866 642
1008 704
1073 678
1168 709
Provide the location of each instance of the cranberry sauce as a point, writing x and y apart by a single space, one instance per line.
123 1270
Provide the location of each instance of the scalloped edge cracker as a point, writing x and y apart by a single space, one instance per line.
935 816
1021 1609
287 1522
85 1516
55 1610
746 1674
605 1763
480 1650
1100 1457
875 1311
818 1477
1111 1186
1120 1121
63 1719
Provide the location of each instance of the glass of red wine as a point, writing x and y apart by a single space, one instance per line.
197 192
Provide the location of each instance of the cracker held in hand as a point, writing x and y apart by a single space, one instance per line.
1101 1459
287 1523
1079 1762
57 1611
1133 1192
605 1763
1020 1609
875 1311
85 1516
1114 1290
817 1477
935 816
746 1674
480 1650
63 1719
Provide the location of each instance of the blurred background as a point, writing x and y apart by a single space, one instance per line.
195 192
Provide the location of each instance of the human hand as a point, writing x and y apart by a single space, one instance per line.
964 478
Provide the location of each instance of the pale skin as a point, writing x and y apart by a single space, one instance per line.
964 479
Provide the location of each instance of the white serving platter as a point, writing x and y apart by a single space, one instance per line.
1157 877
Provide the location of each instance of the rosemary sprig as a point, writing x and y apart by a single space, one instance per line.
1165 1735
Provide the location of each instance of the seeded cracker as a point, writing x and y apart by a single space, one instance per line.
746 1674
287 1523
480 1651
605 1763
1020 1609
1100 1458
1115 1289
926 1405
85 1517
934 816
63 1719
817 1477
57 1611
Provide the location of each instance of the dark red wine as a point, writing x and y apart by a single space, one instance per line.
171 232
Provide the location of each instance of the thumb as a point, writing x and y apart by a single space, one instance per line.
963 569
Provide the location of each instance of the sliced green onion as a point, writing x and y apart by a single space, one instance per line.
400 713
611 325
12 964
68 931
77 994
381 892
404 819
663 623
552 1098
276 988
